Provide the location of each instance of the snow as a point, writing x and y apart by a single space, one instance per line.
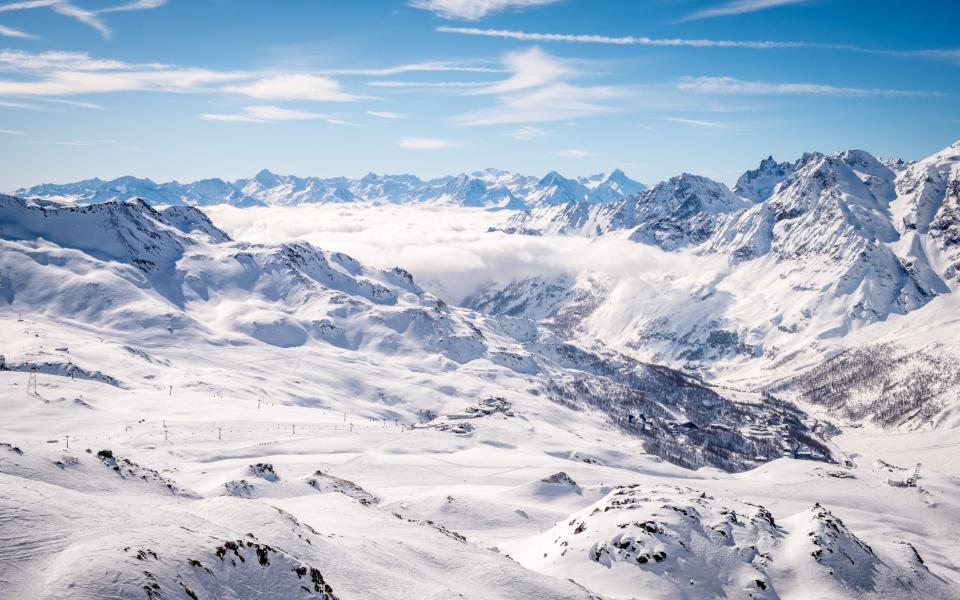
490 188
460 412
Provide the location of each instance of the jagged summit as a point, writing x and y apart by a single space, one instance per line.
758 184
676 213
843 244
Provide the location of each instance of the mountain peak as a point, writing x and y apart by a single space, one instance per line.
553 178
266 177
759 184
618 176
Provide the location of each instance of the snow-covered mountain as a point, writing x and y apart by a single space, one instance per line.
191 415
680 212
680 542
488 189
174 274
811 251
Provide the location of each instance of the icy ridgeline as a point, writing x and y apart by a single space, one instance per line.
172 277
490 188
819 256
678 542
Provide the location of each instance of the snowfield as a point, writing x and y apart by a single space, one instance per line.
687 392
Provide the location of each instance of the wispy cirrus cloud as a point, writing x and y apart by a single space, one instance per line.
423 143
384 114
68 83
540 89
530 68
63 74
556 102
134 5
10 132
472 10
421 67
573 153
739 7
263 114
948 54
732 86
71 103
21 61
628 40
295 86
75 104
430 84
527 132
80 143
23 105
696 122
67 8
15 33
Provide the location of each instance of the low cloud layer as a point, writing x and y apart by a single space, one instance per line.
450 251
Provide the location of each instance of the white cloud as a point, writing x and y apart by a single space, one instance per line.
450 251
15 33
383 114
430 84
531 68
87 105
264 114
27 5
696 122
573 153
66 83
295 86
739 7
18 60
6 104
275 113
538 91
10 132
69 9
527 132
949 54
72 73
229 118
952 55
84 16
421 143
730 85
423 67
74 103
134 5
73 143
621 41
555 102
471 10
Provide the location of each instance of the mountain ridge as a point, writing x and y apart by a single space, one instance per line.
489 188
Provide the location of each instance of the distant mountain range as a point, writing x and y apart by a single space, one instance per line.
490 188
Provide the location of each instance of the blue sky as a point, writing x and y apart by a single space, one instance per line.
186 89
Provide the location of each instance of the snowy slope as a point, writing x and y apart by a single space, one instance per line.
679 542
276 420
819 250
183 278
